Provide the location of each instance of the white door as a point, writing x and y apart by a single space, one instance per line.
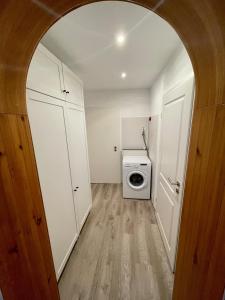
77 142
103 132
45 74
176 122
73 87
50 145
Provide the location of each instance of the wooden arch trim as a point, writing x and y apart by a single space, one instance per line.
26 266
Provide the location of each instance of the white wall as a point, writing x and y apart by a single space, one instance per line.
103 134
131 103
155 96
177 70
154 134
131 132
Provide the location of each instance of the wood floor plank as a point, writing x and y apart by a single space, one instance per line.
119 254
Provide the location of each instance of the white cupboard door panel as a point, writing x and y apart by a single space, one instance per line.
165 210
44 75
73 87
79 163
171 127
50 145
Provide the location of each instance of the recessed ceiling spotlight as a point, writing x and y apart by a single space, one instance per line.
120 39
123 75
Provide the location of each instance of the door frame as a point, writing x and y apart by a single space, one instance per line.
25 253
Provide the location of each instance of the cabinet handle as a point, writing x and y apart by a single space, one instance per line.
64 91
67 92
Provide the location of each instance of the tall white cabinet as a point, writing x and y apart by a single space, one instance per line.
57 120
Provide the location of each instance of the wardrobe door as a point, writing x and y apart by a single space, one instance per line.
79 163
73 87
45 74
50 145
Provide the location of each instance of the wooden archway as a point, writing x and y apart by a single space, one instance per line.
26 266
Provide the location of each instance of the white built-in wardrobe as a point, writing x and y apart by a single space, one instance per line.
56 113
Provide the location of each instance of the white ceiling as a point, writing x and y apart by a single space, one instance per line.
85 40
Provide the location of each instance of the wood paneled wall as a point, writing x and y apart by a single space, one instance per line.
26 267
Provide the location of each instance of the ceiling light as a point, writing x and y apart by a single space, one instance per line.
123 75
120 39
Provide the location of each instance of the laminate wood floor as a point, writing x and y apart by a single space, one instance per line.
119 254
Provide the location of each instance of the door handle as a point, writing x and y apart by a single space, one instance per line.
177 183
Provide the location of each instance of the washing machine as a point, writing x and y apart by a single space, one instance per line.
136 177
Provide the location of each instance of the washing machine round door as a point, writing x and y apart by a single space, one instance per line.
136 180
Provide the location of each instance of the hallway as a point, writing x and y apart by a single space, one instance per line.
119 254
